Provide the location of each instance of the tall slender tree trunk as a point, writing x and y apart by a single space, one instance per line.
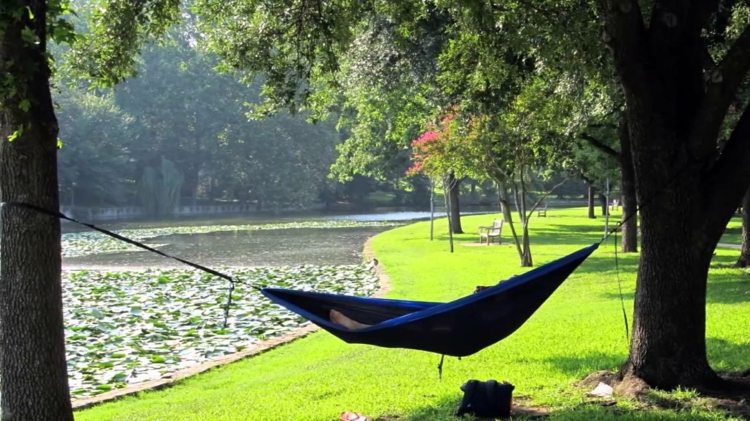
526 260
744 259
447 182
432 210
629 199
192 174
32 343
455 211
591 201
603 204
508 215
520 197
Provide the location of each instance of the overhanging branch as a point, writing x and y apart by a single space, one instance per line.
730 176
599 145
625 34
722 84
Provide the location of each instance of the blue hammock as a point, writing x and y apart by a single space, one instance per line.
458 328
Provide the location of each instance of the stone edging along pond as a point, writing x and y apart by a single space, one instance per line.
170 379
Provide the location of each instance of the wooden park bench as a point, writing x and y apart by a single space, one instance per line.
542 210
487 233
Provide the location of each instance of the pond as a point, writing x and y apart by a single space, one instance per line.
335 240
133 316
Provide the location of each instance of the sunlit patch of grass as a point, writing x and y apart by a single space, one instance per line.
579 330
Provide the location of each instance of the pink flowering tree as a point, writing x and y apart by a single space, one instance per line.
440 153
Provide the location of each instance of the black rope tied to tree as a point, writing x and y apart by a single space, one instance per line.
57 214
613 231
607 233
619 286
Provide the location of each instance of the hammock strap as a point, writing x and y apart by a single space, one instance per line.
614 231
622 297
138 244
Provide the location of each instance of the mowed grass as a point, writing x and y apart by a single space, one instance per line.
579 330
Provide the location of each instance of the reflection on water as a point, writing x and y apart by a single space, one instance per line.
267 247
335 246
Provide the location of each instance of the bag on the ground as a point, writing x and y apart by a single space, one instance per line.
486 399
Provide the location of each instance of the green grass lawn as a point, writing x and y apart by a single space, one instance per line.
579 330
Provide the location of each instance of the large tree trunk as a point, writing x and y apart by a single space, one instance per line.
744 259
668 343
629 199
687 186
32 361
455 211
684 212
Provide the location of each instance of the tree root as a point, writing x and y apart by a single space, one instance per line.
728 392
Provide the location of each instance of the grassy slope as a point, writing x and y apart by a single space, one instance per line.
579 330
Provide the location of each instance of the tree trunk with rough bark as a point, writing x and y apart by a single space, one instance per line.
629 199
32 361
688 186
744 260
455 211
668 343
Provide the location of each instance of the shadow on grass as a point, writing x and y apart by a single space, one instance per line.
589 363
728 288
733 231
723 353
723 288
593 409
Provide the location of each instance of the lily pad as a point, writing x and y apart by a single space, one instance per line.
124 327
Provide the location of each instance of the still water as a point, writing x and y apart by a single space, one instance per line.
264 247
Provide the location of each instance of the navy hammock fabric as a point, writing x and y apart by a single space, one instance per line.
458 328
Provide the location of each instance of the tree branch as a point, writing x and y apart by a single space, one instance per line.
723 83
598 144
730 177
706 9
543 197
604 125
625 34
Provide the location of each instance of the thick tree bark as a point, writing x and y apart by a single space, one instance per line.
629 199
668 343
744 259
591 201
455 211
687 187
32 361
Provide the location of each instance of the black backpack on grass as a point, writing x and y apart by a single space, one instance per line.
486 399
